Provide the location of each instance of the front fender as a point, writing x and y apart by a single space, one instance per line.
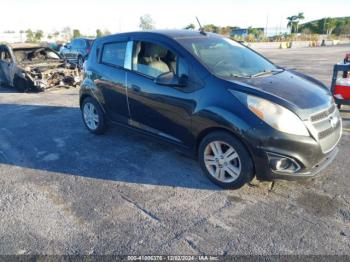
212 117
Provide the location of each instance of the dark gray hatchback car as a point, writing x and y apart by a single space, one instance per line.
77 51
237 112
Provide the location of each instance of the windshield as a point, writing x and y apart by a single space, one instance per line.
35 55
226 58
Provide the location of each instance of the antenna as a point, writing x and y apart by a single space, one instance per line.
201 30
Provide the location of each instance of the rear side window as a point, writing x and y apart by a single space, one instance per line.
114 54
89 43
74 43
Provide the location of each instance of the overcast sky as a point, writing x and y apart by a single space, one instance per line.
116 15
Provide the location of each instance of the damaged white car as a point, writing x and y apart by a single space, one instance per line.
29 67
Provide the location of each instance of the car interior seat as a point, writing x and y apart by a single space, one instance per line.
151 56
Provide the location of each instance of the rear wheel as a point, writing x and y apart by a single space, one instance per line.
80 62
225 161
93 116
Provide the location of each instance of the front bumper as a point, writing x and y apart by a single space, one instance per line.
311 172
305 151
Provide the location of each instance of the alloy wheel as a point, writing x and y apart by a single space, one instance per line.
91 117
222 161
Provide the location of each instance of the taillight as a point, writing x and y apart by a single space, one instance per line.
342 88
347 57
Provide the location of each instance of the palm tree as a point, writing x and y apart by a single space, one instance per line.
190 27
300 16
291 22
329 25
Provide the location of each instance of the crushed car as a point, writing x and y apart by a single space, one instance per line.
31 67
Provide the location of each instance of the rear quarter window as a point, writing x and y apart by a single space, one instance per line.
114 54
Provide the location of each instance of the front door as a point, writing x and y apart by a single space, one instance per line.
162 110
112 82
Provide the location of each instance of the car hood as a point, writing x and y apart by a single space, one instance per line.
302 91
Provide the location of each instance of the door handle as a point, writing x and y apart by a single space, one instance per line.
135 88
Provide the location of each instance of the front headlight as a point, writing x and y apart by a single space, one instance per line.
277 116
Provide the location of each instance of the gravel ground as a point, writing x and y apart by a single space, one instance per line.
65 191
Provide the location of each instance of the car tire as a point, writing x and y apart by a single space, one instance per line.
80 62
231 166
20 84
93 116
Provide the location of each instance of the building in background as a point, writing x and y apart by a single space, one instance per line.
243 32
240 32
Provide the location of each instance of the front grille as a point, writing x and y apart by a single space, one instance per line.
327 132
327 125
322 115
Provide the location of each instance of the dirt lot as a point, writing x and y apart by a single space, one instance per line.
65 191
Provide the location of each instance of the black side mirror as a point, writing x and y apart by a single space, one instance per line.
170 79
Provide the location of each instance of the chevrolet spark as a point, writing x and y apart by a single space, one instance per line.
237 112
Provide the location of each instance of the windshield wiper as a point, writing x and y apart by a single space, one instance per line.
267 72
235 75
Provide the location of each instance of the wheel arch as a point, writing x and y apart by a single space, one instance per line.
83 97
214 129
88 93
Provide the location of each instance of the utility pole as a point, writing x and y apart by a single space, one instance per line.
267 22
280 25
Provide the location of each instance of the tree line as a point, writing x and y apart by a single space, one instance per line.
338 26
328 25
38 35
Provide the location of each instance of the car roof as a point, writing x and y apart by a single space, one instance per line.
173 34
83 38
177 33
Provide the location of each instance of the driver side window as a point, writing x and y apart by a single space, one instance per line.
5 56
153 60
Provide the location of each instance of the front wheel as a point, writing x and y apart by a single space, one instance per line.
225 160
20 84
93 116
